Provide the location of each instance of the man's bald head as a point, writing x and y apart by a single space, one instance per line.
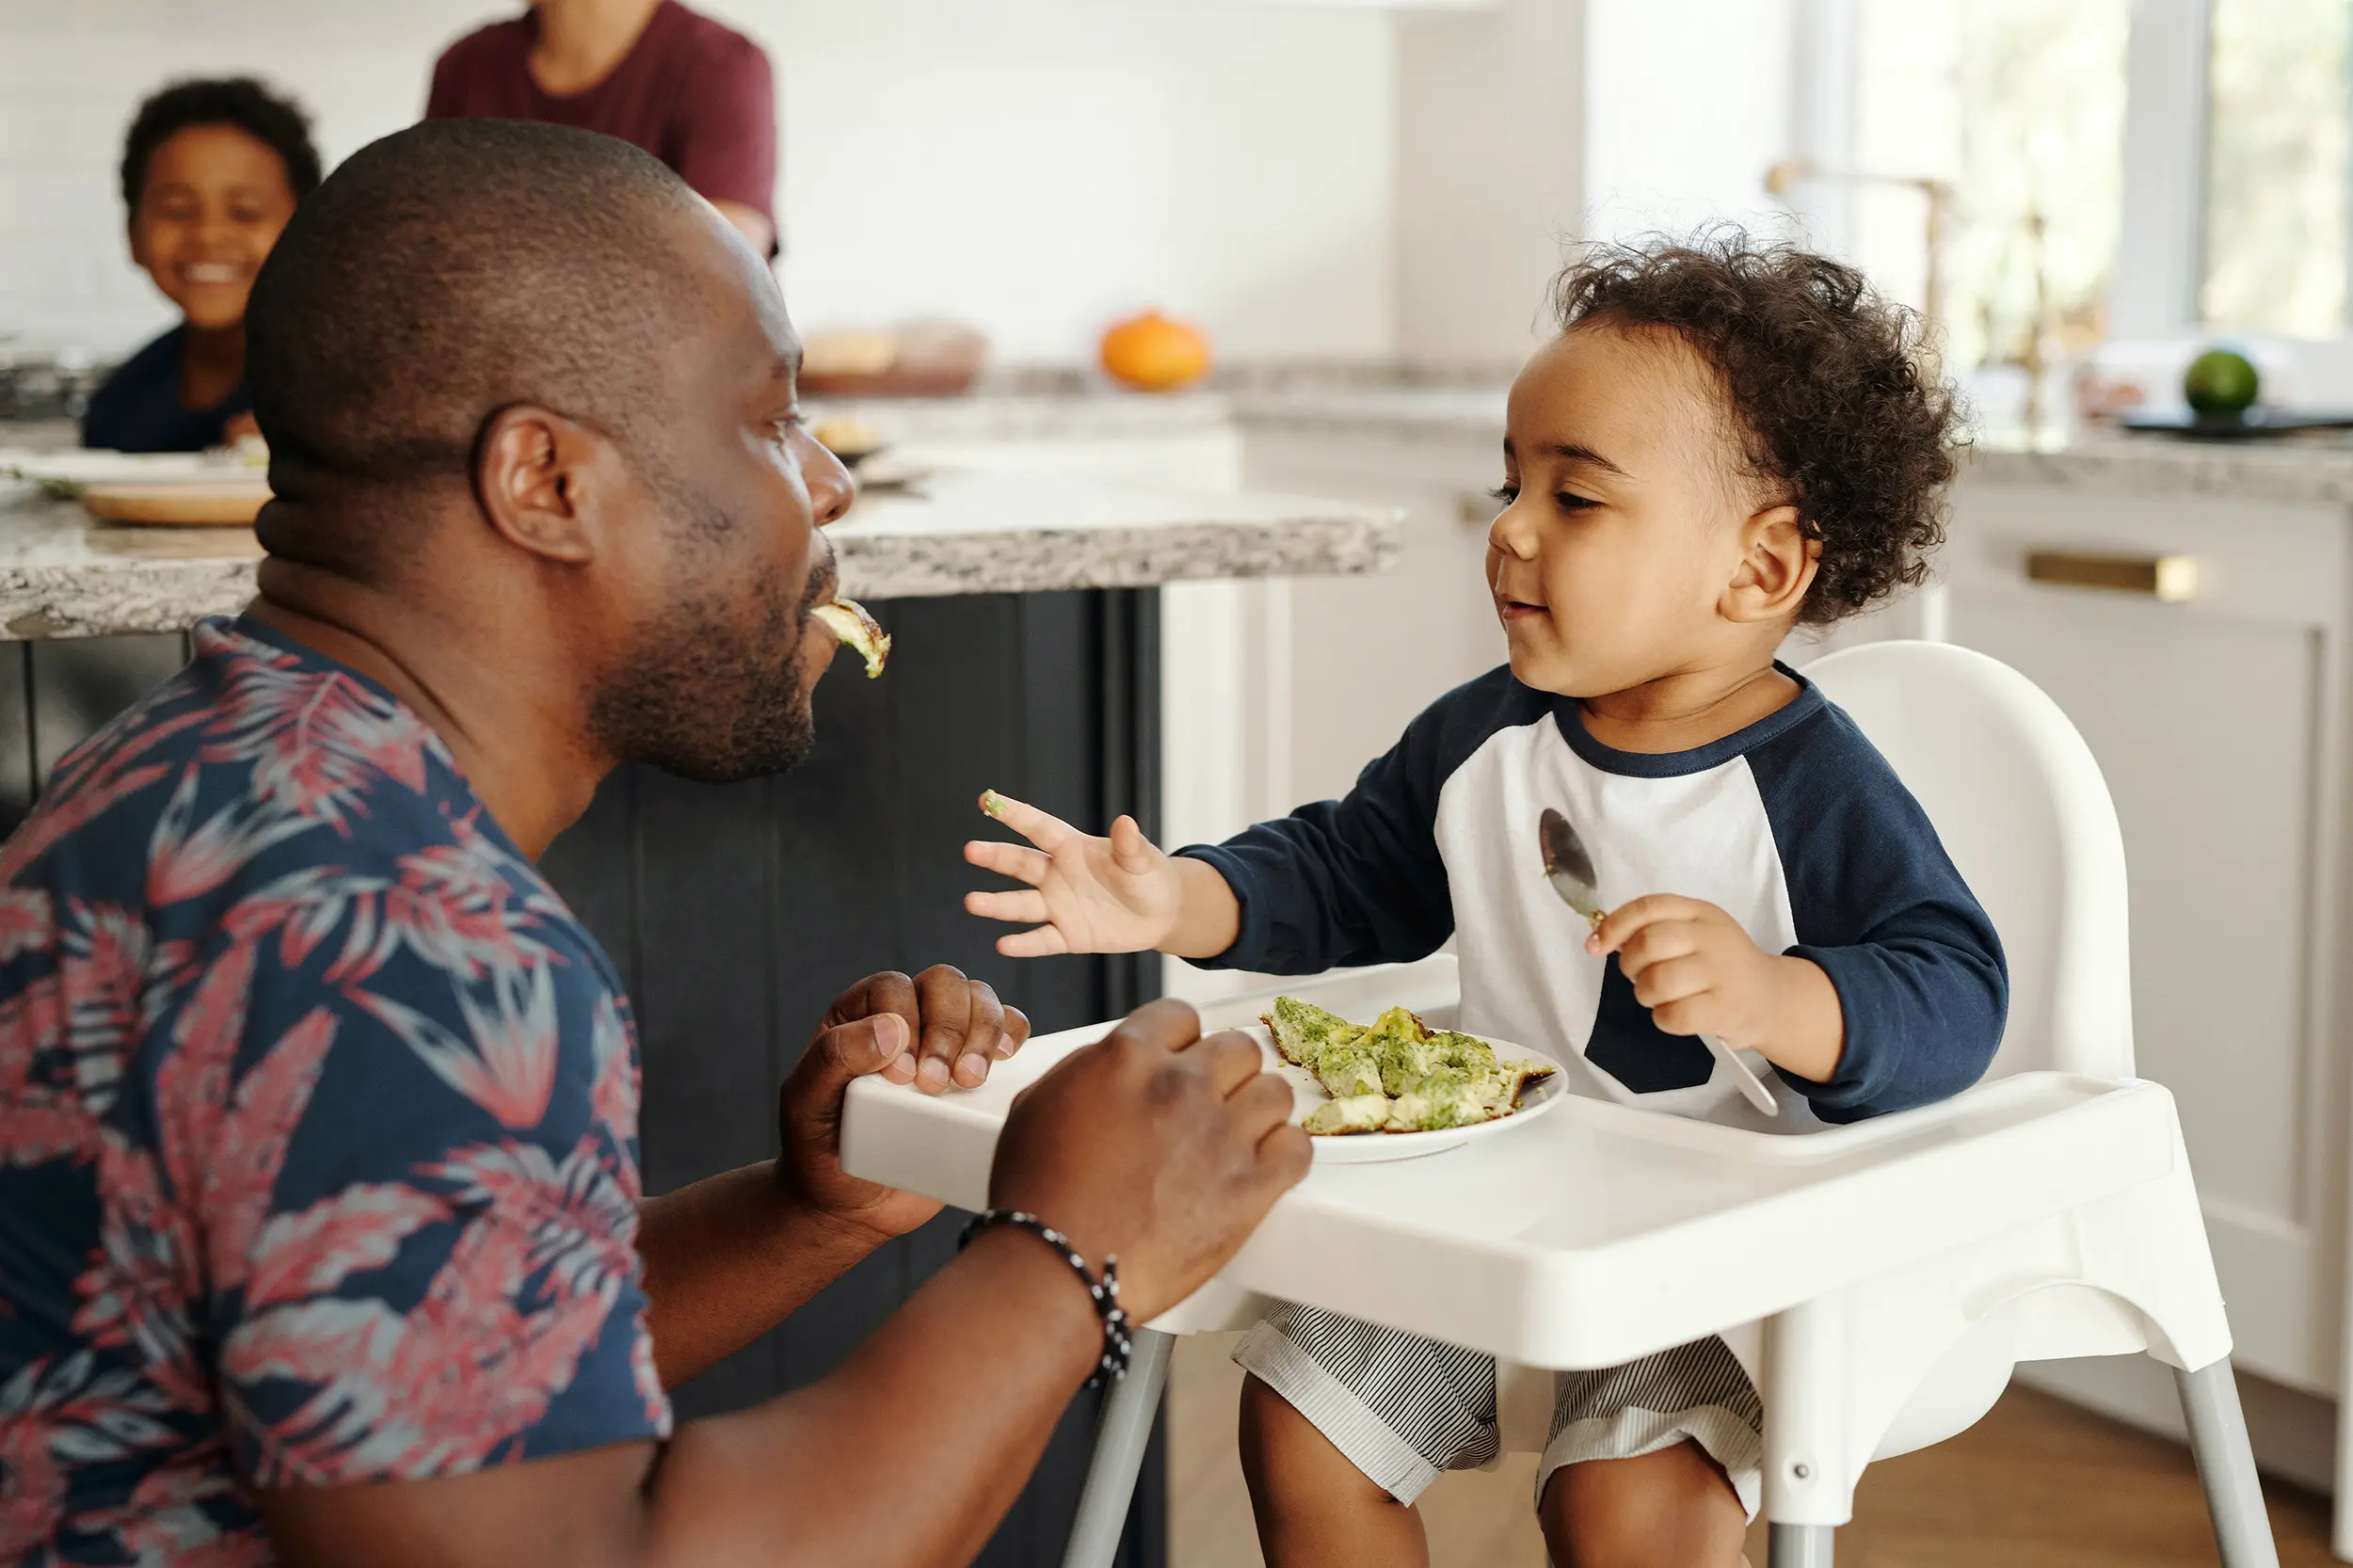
452 270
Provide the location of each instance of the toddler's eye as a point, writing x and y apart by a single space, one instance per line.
1504 495
1571 503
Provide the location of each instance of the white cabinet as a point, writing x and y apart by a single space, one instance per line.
1363 655
2219 722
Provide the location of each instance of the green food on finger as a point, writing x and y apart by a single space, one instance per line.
1398 1074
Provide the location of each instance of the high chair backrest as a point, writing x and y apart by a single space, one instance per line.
2019 801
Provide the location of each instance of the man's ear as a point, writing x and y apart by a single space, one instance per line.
1777 566
541 478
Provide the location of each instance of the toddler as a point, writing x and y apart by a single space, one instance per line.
1725 442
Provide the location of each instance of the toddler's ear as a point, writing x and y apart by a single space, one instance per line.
1777 566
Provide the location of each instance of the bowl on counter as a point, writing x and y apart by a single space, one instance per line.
929 360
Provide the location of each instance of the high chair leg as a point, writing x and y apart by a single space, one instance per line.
1801 1546
2226 1464
1120 1439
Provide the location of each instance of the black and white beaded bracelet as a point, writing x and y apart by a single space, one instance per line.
1118 1344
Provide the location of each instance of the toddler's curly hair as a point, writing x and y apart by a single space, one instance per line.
1836 405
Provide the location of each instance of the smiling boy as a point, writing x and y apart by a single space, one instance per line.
1724 443
211 173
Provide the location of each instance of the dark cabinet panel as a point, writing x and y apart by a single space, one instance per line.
737 912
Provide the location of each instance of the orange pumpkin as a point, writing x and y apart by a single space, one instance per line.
1151 352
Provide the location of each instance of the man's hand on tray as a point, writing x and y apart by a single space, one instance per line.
932 1030
1156 1145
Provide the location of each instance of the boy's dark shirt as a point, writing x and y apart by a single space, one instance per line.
138 408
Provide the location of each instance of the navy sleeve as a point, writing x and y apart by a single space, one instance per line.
1343 883
1880 907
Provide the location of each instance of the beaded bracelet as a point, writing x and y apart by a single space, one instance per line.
1119 1345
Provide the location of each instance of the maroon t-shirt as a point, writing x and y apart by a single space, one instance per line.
693 93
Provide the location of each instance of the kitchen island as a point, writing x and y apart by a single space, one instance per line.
958 532
1024 608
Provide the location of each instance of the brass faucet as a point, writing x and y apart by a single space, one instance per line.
1789 174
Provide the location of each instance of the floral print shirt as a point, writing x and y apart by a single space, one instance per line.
318 1120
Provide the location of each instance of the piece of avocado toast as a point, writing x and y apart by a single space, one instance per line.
1398 1075
1302 1030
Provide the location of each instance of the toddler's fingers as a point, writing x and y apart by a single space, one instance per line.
1656 943
1670 981
1019 861
1022 909
1622 922
1043 942
1693 1014
1048 832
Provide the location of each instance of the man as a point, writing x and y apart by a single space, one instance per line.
693 92
319 1230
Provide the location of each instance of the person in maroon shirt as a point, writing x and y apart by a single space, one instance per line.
696 95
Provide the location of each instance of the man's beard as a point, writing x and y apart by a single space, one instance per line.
697 698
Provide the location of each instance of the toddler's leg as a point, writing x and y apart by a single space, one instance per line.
1343 1423
1315 1509
1670 1509
1654 1463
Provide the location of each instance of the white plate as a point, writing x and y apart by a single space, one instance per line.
1372 1148
81 467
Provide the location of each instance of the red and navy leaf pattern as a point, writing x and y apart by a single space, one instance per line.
344 1105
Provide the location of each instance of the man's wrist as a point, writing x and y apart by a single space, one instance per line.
801 1221
1051 1293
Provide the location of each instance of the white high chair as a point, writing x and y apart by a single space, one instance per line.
1878 1281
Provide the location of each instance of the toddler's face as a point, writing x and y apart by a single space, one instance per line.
1622 528
213 205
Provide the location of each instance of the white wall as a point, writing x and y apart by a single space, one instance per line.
1033 165
1491 110
1690 104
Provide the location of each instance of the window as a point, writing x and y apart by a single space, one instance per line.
2017 107
2276 166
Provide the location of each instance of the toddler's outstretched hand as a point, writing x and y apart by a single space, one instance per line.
1086 894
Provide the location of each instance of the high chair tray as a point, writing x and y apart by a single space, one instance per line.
1602 1232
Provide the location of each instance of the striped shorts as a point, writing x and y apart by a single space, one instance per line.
1404 1408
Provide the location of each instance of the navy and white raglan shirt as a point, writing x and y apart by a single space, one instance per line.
1795 825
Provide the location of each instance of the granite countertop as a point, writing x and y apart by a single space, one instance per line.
2313 468
1471 412
61 575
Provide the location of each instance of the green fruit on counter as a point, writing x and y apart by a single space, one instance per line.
2221 381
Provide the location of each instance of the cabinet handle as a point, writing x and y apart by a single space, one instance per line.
2170 579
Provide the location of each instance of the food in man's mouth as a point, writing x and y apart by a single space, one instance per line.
1399 1074
847 619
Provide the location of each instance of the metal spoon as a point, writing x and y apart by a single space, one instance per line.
1570 871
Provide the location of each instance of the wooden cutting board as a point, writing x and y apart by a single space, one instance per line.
229 503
